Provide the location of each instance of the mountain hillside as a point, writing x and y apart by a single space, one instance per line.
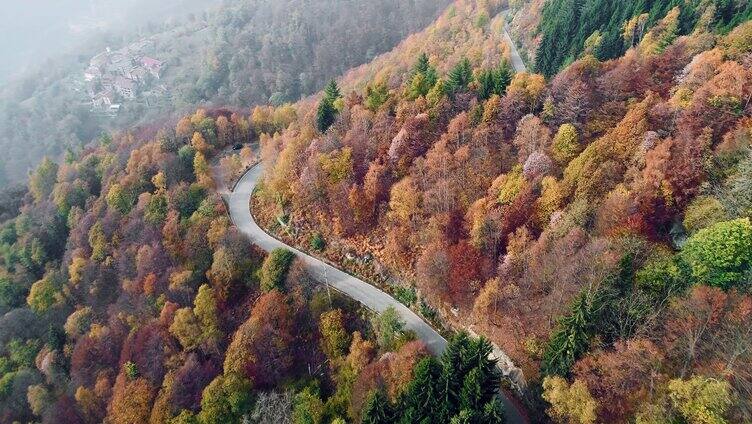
557 32
127 296
241 54
590 228
580 223
463 30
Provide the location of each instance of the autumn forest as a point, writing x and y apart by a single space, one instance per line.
575 230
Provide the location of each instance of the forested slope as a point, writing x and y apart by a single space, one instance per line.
596 226
568 28
246 53
284 50
463 30
126 296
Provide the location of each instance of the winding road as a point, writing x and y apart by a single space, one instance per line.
373 298
517 63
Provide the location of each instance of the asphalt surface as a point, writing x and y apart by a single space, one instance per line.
517 63
373 298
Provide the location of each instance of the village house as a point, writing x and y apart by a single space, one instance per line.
152 65
125 87
99 61
122 72
121 64
103 99
138 75
92 73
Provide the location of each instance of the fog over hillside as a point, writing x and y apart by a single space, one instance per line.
118 64
35 30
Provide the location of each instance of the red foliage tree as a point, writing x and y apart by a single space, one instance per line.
465 272
190 380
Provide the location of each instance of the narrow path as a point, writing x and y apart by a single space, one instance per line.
373 298
517 63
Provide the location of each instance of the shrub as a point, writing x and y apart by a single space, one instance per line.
390 330
405 295
703 212
720 255
131 370
274 270
317 242
427 311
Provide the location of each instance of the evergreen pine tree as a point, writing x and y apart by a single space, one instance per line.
422 399
479 353
377 409
430 78
493 412
455 366
331 91
471 396
571 338
486 84
463 387
460 76
376 95
327 113
502 77
422 65
466 416
423 78
494 81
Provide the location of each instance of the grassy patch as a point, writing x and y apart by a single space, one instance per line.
405 295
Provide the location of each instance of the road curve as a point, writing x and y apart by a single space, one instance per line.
517 63
373 298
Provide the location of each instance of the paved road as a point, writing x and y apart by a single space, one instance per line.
517 63
370 296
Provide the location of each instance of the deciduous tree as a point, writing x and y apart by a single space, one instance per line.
569 403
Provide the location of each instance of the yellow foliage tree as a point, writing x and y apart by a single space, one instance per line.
570 404
184 128
549 201
205 309
404 200
566 145
337 165
201 170
75 269
507 186
530 86
663 34
701 400
739 41
160 181
199 143
187 329
131 404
